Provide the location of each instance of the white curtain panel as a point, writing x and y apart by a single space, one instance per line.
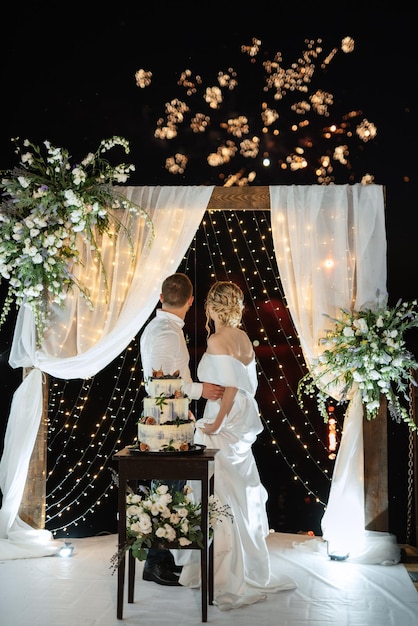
330 244
81 342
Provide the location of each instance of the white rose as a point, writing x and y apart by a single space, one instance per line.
372 406
358 376
79 227
145 523
361 325
133 510
27 158
182 512
165 499
166 532
79 175
71 198
183 541
24 182
156 508
174 519
184 526
135 528
120 178
88 159
39 221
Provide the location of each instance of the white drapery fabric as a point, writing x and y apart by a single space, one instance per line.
82 342
330 244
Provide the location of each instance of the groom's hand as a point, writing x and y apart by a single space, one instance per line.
212 392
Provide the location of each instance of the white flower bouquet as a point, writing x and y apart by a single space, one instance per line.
158 515
366 349
46 202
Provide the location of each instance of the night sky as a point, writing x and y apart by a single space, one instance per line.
70 78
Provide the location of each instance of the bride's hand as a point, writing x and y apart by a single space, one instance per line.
207 428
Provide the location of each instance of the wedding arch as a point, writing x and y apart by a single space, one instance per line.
309 224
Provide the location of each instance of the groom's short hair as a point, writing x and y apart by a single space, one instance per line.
176 290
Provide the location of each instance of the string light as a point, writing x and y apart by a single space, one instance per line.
88 421
332 434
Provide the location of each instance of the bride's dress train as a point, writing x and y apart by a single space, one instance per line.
242 568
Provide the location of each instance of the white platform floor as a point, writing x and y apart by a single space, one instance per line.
81 591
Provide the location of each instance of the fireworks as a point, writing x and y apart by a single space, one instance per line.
287 131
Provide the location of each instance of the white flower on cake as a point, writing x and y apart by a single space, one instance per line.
166 424
367 349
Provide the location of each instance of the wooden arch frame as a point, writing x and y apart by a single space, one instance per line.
248 198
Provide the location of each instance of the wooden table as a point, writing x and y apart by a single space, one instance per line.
135 466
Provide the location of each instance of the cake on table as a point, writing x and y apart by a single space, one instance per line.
166 424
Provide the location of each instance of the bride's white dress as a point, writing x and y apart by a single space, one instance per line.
242 568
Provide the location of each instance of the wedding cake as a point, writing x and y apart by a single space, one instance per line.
166 424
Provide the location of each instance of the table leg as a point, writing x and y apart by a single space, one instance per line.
131 577
204 552
131 468
121 542
121 582
211 573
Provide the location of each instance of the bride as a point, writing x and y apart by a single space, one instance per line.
242 568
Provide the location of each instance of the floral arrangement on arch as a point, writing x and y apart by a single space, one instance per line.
367 349
46 203
167 517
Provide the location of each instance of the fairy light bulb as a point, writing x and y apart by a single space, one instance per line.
88 421
332 433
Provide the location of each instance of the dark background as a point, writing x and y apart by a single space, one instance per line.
68 75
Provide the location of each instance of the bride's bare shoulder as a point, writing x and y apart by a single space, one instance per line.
216 344
233 342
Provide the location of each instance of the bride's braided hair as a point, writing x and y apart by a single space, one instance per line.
227 300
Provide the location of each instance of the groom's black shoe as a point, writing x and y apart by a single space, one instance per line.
161 574
170 564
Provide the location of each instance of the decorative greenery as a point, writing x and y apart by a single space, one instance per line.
366 349
46 203
169 518
161 401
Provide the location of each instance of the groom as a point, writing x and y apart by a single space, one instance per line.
163 347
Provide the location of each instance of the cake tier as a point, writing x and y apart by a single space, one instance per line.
166 410
156 438
169 387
